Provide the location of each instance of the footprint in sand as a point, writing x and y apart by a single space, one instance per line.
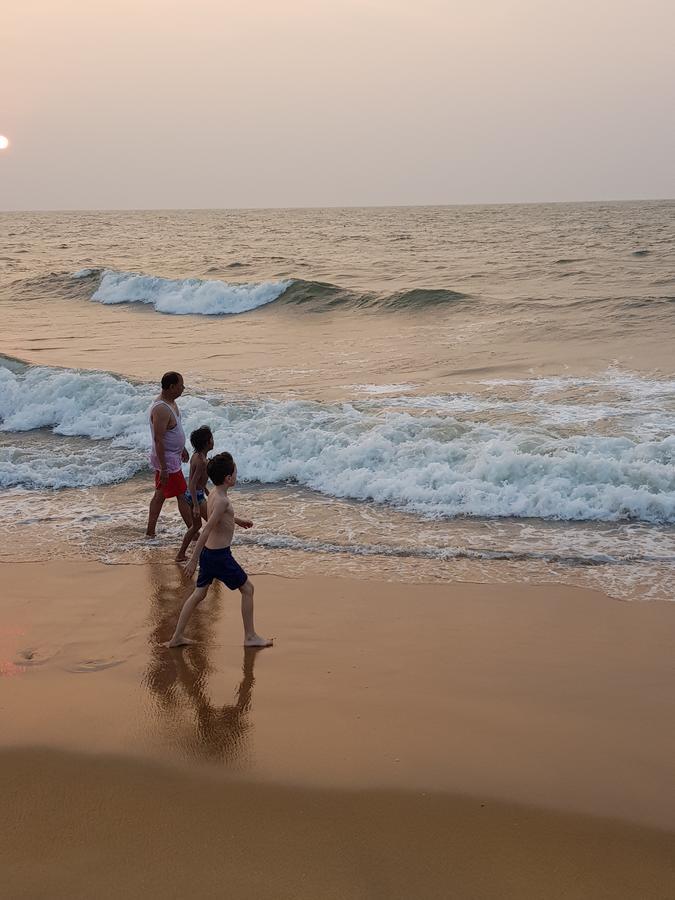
85 666
36 656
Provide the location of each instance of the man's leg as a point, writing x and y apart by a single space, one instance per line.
189 607
156 505
251 639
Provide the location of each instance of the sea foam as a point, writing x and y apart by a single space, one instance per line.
428 461
181 297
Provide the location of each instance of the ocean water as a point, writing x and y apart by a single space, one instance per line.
415 394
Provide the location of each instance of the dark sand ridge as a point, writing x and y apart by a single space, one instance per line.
82 827
379 703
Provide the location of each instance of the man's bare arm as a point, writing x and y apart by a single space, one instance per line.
160 421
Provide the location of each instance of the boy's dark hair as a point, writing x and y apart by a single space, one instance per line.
169 379
220 466
200 438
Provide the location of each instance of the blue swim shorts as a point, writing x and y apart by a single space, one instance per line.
201 497
222 565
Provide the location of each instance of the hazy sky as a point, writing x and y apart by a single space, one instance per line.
211 103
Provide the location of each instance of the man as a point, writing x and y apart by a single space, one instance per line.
168 451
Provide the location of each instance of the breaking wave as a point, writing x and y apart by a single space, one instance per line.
438 456
210 297
191 296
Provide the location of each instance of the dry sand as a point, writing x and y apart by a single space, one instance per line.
428 741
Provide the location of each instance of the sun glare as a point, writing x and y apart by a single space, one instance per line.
4 142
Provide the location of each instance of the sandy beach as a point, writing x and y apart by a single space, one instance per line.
399 740
365 311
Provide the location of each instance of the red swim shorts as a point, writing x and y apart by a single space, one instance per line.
175 485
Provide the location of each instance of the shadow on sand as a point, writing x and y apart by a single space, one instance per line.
178 681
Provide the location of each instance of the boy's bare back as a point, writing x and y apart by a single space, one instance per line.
221 530
198 471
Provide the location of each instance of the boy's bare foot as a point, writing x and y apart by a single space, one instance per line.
178 642
254 640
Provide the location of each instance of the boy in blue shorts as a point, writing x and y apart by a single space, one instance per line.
215 557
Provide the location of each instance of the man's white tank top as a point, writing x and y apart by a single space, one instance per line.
174 441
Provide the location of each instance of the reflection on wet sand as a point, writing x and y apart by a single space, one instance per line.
178 680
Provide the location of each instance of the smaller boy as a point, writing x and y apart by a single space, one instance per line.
215 557
202 441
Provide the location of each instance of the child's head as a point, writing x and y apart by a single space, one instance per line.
202 439
222 469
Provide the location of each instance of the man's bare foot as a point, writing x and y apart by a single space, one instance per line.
150 535
178 642
254 640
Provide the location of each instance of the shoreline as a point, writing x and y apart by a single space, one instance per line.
55 525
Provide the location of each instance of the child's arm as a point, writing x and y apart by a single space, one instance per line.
205 476
243 523
191 565
194 479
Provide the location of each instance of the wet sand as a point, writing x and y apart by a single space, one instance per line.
430 741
